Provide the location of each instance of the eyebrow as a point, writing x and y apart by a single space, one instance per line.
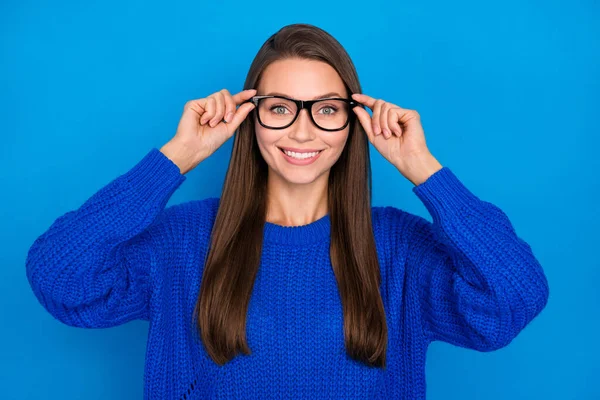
330 94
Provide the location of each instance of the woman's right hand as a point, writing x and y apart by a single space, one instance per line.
205 125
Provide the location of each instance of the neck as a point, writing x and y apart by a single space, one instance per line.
294 204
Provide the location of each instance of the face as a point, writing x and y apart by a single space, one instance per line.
302 80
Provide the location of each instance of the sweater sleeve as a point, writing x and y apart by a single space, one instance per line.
91 268
478 283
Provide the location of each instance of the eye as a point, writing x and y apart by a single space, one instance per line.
278 109
328 110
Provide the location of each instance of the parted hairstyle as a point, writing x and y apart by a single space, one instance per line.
233 258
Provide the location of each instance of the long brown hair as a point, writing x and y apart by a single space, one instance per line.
233 260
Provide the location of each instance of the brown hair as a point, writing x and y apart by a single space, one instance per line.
236 240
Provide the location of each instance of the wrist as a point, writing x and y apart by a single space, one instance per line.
185 157
419 169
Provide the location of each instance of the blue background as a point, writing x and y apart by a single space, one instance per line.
508 94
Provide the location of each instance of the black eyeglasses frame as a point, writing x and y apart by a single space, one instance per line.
301 104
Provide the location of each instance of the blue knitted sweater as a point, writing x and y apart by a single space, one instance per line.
465 279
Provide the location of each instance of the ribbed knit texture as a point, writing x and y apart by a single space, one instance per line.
466 279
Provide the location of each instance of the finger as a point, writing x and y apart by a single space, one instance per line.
406 115
210 110
383 120
364 99
244 95
365 120
393 122
220 110
229 105
239 117
197 106
376 117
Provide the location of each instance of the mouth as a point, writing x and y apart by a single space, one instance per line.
303 153
300 158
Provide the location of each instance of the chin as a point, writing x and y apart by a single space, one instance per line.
300 180
297 175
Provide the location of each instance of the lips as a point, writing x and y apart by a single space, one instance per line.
301 161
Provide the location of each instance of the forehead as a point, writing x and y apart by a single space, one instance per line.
301 79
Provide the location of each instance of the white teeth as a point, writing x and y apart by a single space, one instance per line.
301 156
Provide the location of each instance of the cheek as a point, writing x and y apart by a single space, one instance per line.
266 140
266 136
336 145
337 142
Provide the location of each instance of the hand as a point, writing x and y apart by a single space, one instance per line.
398 135
205 125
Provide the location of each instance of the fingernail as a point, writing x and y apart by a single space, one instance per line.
387 132
376 129
229 116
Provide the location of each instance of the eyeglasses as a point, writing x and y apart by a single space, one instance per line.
279 112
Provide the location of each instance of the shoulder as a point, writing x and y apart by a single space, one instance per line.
193 208
183 229
202 208
390 219
190 216
400 231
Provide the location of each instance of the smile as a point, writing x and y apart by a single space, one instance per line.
300 158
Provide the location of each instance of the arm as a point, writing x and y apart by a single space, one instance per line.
477 282
91 268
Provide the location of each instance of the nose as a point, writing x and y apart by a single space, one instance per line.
303 129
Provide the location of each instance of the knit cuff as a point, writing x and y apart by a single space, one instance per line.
154 178
444 194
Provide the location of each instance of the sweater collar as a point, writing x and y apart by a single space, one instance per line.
312 232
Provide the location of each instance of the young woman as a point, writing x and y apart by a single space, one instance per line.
291 284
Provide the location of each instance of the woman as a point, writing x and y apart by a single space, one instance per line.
290 284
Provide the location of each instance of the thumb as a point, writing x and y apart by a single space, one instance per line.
365 121
239 116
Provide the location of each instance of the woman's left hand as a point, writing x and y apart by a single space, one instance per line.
398 135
